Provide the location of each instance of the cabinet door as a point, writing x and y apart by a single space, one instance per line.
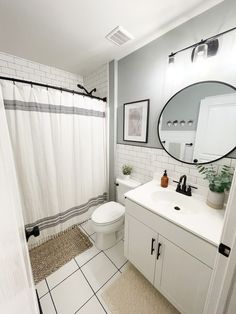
141 246
182 278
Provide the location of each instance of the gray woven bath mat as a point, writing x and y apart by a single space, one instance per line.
54 253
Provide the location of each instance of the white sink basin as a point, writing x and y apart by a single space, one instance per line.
171 200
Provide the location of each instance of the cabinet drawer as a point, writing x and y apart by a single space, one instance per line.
192 244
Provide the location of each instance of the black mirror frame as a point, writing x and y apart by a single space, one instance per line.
185 162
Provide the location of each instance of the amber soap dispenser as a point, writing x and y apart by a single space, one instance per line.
164 180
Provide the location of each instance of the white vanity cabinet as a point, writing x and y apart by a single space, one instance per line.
142 243
178 263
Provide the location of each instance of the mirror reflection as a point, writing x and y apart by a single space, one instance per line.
198 124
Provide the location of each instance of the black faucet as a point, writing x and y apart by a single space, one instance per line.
182 187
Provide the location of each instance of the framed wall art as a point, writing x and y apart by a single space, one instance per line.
135 121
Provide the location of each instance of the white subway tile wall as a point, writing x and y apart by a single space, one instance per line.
13 66
98 79
147 161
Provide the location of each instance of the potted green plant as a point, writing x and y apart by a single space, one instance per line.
126 170
219 182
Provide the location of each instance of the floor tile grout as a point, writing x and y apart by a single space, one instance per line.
43 294
87 232
54 305
111 260
92 289
107 281
84 303
88 260
64 279
123 265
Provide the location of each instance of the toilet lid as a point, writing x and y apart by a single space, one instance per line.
108 212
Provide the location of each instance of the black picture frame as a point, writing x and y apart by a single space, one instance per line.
139 123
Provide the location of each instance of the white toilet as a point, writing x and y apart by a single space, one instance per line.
108 219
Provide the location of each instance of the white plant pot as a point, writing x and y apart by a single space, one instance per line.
126 176
215 199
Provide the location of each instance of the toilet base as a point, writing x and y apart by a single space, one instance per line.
105 241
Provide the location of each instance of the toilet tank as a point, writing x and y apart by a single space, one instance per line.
123 186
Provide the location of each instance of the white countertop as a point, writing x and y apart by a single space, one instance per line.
194 215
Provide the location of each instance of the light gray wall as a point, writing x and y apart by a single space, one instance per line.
142 74
185 105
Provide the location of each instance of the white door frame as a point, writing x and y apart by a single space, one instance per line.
225 267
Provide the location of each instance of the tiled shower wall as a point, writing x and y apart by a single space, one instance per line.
20 68
98 79
146 161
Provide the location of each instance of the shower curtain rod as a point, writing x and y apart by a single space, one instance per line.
51 86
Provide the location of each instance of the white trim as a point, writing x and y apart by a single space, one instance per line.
223 272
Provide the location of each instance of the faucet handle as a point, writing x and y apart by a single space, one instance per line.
176 181
191 186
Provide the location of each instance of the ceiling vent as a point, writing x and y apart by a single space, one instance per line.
119 36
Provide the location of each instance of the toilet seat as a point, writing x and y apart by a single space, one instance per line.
108 213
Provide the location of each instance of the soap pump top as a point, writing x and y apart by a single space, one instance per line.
164 180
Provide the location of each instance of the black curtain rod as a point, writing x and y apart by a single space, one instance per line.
50 86
202 41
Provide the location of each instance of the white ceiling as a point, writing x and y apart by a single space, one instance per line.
70 34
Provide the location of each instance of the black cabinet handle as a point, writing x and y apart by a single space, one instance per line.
152 246
195 160
158 250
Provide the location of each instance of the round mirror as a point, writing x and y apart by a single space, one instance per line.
198 124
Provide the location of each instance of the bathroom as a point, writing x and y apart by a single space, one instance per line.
108 162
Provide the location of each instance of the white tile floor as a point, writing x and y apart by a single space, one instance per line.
77 287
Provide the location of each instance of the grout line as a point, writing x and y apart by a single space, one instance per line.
85 229
63 279
107 281
123 266
84 303
110 258
43 294
87 260
92 290
111 261
51 296
100 303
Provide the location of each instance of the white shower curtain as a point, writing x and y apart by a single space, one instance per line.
59 145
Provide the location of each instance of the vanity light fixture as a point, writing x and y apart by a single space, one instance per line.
175 122
169 123
190 122
182 123
199 52
206 47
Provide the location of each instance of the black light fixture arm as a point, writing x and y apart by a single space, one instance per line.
52 87
202 41
86 91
